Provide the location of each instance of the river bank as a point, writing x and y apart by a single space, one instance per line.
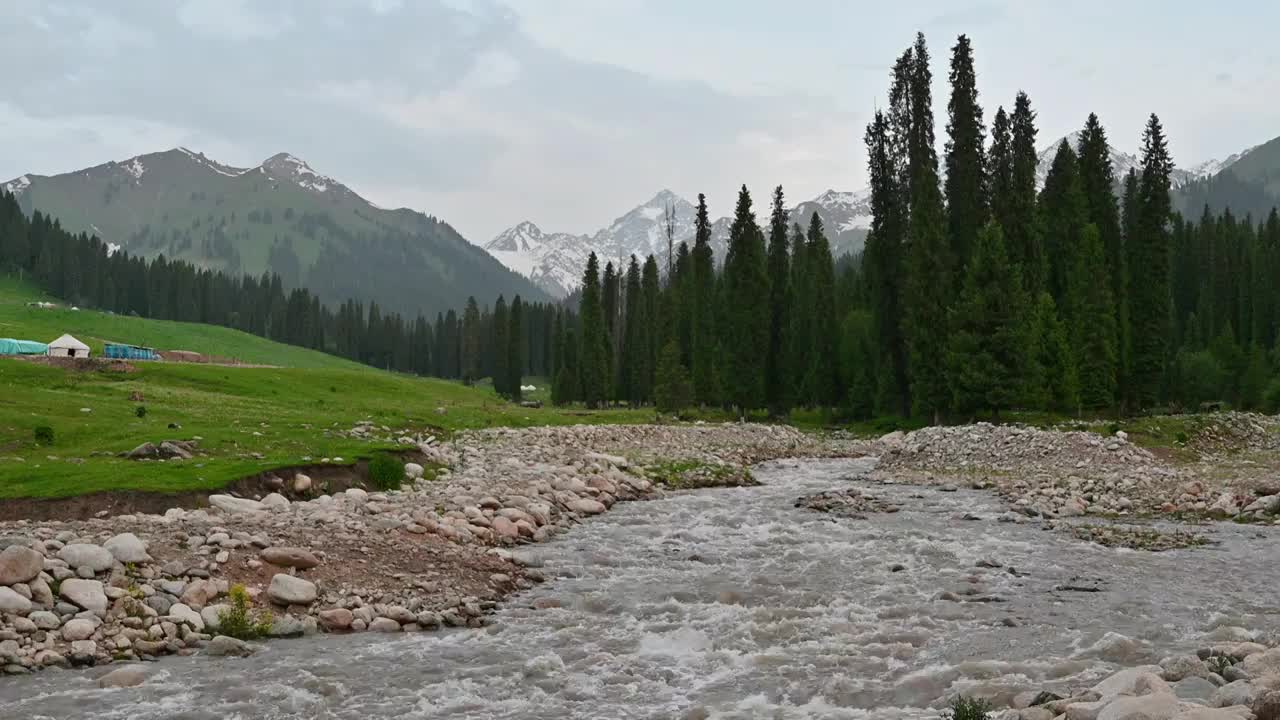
440 553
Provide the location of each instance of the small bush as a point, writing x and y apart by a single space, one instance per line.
44 435
239 620
967 708
1181 438
386 472
140 411
1113 428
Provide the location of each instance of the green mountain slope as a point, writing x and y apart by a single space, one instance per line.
280 217
26 322
1249 186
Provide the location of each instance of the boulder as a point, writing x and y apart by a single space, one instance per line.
78 629
587 506
336 619
198 592
87 594
293 557
84 651
1123 682
1240 692
1156 706
234 505
12 602
19 565
122 677
45 620
413 471
230 647
82 555
184 613
384 624
505 528
1263 663
290 590
1195 688
127 548
301 483
275 501
212 615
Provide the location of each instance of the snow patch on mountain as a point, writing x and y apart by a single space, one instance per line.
1122 162
555 261
285 166
213 165
17 185
135 168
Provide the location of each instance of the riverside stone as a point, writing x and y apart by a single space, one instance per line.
127 548
87 594
12 602
289 590
293 557
235 505
19 565
78 629
122 677
82 555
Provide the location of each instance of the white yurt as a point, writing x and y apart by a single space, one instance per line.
67 346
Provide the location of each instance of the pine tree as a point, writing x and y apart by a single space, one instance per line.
778 379
673 391
822 379
704 339
1053 382
471 342
858 358
966 180
515 350
682 287
884 262
651 294
1063 214
1149 283
1094 337
635 349
611 302
928 261
1018 216
747 307
499 342
987 342
1124 311
593 357
801 331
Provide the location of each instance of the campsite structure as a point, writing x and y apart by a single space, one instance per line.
68 346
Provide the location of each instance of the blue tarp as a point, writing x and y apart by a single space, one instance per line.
9 346
119 351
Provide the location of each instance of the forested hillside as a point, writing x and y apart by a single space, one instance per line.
975 294
280 218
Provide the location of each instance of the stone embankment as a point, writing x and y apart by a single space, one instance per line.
433 554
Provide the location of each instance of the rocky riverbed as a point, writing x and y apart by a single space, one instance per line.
446 550
428 556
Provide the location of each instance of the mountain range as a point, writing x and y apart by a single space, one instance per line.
281 216
554 261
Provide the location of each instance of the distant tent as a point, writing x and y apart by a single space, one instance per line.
67 346
9 346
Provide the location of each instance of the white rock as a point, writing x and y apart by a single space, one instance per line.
78 629
94 557
235 505
88 594
289 590
413 471
301 483
19 565
212 615
127 548
185 614
12 602
122 677
45 620
275 501
587 506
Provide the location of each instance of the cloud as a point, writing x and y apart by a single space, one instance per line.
232 19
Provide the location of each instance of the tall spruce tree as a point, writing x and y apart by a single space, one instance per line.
1021 230
470 351
746 282
1149 281
885 267
634 357
1094 337
611 302
593 356
1063 215
778 379
987 342
928 256
651 293
501 331
822 378
705 346
1098 181
682 303
966 161
515 350
1129 230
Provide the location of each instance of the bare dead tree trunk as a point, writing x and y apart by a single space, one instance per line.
669 222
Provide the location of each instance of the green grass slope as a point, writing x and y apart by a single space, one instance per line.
93 328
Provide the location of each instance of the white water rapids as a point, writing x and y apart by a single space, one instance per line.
734 604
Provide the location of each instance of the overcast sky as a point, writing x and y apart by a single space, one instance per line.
570 112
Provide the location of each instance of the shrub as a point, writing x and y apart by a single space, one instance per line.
140 411
386 472
239 620
967 708
44 435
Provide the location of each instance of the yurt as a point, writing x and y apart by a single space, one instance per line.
67 346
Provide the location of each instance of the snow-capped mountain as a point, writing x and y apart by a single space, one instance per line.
1122 162
555 261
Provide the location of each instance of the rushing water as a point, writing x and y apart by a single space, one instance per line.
734 604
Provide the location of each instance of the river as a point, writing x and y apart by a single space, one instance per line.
732 603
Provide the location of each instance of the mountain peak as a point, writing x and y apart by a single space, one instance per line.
283 166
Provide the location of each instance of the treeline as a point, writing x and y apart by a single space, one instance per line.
506 343
976 293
